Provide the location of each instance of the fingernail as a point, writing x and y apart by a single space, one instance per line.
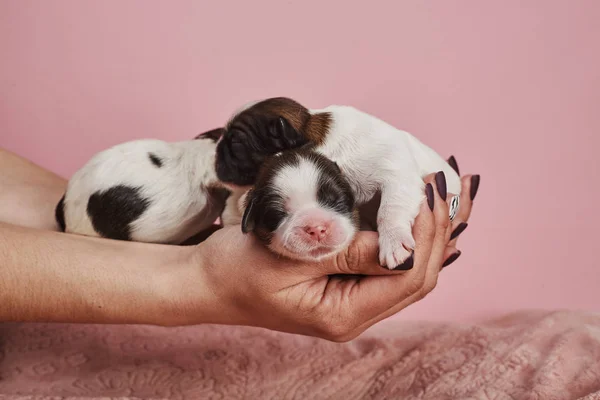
407 264
440 182
459 229
430 197
451 259
474 186
453 164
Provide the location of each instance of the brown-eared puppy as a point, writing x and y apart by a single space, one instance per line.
263 129
373 156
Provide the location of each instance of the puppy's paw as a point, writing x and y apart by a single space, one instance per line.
395 249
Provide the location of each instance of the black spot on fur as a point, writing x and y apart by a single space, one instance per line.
214 134
334 190
59 214
112 211
155 160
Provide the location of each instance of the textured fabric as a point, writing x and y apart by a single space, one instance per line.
533 355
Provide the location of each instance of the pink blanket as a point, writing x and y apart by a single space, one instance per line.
533 355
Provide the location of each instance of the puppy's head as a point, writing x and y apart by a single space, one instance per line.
301 206
256 132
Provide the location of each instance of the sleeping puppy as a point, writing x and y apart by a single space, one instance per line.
146 191
301 206
373 156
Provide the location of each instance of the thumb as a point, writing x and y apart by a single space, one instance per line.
360 258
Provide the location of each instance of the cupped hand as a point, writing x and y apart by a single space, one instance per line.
336 299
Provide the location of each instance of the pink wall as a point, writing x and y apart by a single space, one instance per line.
511 88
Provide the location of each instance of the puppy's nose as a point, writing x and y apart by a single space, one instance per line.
317 232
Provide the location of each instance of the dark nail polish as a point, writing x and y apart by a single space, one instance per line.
452 162
430 196
459 229
451 259
440 182
407 264
474 186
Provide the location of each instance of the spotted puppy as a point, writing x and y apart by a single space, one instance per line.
146 191
301 206
373 156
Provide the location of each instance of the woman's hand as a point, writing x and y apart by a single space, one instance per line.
243 283
230 278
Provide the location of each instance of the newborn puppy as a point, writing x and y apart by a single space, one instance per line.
301 206
373 156
146 191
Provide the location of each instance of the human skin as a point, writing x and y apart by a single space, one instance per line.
230 278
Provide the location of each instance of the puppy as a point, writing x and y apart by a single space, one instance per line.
374 157
301 206
146 191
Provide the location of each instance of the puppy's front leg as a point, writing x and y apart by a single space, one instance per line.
400 203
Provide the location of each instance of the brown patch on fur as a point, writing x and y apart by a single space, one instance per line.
218 195
218 191
317 127
313 127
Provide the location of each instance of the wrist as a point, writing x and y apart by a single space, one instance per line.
190 296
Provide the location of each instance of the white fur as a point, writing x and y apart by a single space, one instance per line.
298 184
374 155
180 205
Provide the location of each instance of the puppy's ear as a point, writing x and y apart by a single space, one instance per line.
59 213
248 217
213 134
284 135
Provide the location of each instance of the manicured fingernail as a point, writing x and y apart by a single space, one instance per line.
440 182
474 186
451 259
407 264
453 164
430 196
459 229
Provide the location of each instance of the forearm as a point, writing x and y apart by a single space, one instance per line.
57 277
28 192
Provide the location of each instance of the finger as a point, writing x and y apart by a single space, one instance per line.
452 162
450 256
442 235
376 297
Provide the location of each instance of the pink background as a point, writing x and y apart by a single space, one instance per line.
511 88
